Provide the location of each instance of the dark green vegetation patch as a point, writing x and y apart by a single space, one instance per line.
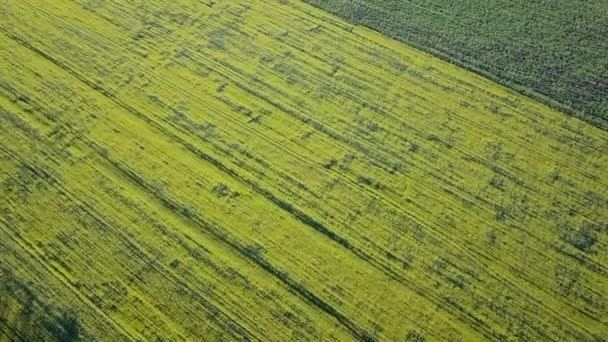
555 51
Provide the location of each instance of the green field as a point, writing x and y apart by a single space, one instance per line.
263 170
555 51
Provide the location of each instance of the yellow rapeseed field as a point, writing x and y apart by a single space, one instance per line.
260 170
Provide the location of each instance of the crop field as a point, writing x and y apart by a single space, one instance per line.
555 51
263 170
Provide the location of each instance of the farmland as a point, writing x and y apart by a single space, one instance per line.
554 51
262 170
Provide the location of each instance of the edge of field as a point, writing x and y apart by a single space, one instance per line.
461 63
